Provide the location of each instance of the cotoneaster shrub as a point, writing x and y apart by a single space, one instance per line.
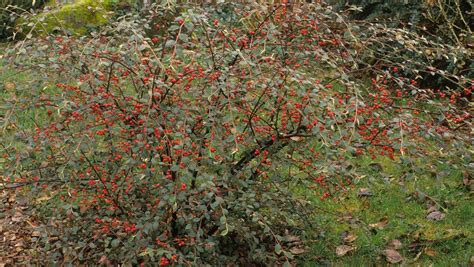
179 148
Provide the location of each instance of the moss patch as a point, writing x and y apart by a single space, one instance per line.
77 18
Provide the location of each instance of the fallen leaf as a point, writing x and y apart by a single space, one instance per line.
12 236
364 192
36 234
12 198
392 256
349 238
430 252
379 225
297 251
9 86
346 218
31 224
432 209
398 37
296 138
466 181
395 244
43 199
343 250
17 217
436 216
292 238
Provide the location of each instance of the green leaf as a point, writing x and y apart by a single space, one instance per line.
170 43
278 249
184 37
115 243
226 231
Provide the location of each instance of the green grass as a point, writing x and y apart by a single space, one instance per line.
23 115
441 243
18 117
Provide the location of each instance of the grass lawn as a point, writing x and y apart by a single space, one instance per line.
396 209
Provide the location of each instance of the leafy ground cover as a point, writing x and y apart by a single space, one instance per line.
337 193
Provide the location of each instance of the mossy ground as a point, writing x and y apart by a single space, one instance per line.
77 18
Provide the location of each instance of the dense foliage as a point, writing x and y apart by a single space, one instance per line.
434 38
177 141
10 10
